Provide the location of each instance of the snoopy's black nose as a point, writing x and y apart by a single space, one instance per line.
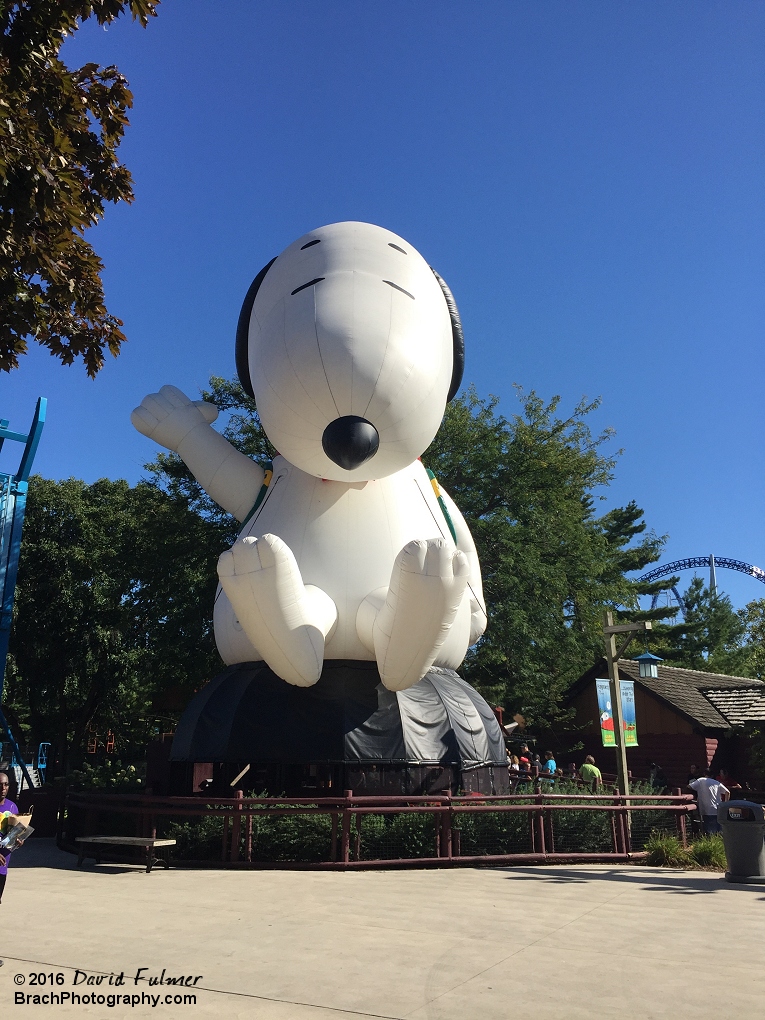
350 441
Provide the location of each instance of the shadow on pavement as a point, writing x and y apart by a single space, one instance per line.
653 880
43 853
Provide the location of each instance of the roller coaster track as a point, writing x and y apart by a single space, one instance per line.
693 563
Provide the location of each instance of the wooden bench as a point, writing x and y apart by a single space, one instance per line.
89 848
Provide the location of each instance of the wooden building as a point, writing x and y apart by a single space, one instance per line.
684 717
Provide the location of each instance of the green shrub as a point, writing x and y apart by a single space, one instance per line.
109 776
709 852
396 836
199 839
666 851
297 837
484 833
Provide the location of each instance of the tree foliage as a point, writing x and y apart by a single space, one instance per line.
112 622
59 134
713 636
753 618
528 487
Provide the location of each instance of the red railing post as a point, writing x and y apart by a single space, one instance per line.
682 832
345 841
357 840
333 850
539 818
236 827
550 832
627 826
446 827
618 830
623 824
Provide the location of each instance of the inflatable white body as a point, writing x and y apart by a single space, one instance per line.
351 346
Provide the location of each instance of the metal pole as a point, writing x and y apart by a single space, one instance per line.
616 705
627 630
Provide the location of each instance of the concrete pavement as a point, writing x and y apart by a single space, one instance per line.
561 943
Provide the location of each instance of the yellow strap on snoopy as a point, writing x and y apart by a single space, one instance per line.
442 504
269 474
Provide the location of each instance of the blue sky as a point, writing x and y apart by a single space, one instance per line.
587 177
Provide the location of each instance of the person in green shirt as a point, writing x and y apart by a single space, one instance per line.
590 773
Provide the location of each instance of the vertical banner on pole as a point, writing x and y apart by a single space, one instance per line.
605 712
628 713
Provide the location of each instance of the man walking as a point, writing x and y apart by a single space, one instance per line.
711 794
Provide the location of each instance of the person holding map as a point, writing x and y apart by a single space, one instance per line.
8 818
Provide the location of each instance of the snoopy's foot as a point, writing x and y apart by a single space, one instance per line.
286 620
410 625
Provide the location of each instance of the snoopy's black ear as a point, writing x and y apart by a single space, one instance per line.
458 338
243 331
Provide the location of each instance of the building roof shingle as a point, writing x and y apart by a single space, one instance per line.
739 705
711 700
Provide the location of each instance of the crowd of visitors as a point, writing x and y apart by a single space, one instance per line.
526 766
709 787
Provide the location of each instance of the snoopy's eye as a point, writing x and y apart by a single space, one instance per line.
390 245
316 241
312 282
396 287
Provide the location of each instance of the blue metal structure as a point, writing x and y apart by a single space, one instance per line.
42 758
13 504
693 563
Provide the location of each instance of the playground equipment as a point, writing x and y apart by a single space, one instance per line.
13 504
35 762
693 563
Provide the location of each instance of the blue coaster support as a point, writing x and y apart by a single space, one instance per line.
13 505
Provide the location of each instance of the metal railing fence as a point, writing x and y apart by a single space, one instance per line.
362 831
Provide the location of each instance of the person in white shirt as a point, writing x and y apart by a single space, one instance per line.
711 793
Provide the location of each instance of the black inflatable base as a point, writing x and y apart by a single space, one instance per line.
396 779
345 732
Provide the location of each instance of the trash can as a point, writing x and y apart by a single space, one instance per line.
743 831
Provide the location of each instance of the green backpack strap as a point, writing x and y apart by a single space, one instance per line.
269 474
442 504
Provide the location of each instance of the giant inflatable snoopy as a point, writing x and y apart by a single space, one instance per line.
351 346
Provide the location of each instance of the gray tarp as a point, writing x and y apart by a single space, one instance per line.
248 714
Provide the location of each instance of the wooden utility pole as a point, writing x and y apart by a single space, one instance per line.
610 630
